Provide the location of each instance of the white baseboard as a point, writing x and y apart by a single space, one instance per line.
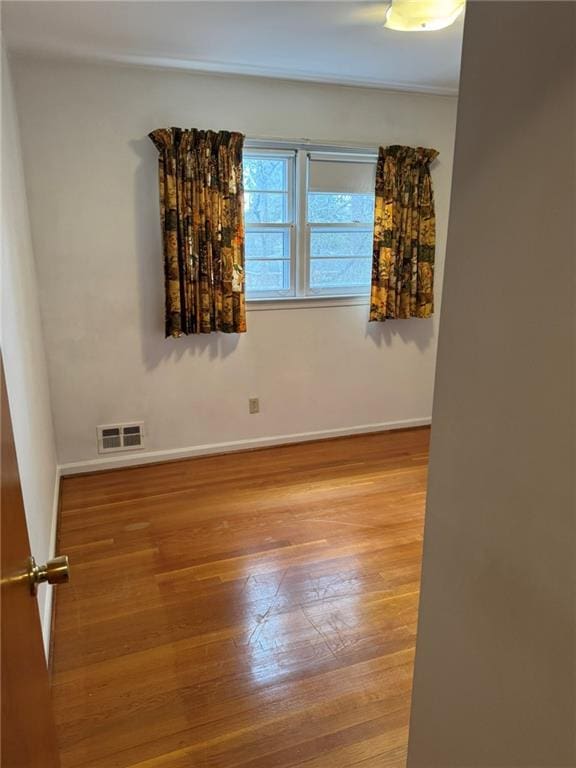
147 457
47 617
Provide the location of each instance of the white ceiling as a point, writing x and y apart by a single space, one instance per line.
341 42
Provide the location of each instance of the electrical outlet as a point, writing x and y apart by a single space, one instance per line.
254 405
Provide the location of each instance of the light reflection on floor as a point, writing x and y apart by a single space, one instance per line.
295 618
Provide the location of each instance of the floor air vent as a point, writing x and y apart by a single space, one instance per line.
120 437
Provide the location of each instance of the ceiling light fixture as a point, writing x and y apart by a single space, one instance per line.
422 15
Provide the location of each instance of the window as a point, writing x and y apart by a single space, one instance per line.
269 222
309 222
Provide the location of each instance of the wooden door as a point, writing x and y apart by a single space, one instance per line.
28 738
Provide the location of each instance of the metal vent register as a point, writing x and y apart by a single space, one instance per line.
120 437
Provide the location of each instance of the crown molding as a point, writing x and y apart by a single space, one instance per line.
231 69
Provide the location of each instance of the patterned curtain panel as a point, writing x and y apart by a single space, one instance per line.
201 211
404 235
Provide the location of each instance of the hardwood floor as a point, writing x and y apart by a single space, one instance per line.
255 610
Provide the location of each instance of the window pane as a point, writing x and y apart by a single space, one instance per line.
265 207
336 207
267 245
263 275
341 243
340 273
263 173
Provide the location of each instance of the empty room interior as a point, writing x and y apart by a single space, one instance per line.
232 338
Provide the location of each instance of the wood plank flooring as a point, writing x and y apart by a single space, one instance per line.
253 610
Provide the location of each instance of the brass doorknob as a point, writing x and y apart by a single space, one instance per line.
56 571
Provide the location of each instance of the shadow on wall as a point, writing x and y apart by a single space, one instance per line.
416 331
155 348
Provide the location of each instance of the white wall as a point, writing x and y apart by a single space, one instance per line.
496 651
23 352
92 180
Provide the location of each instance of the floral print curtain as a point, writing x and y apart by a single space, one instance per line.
201 212
404 235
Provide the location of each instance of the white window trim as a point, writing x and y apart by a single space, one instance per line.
299 296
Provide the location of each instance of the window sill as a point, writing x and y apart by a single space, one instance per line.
305 302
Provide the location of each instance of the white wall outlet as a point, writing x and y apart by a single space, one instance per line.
254 405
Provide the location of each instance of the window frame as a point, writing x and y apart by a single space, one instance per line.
300 293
